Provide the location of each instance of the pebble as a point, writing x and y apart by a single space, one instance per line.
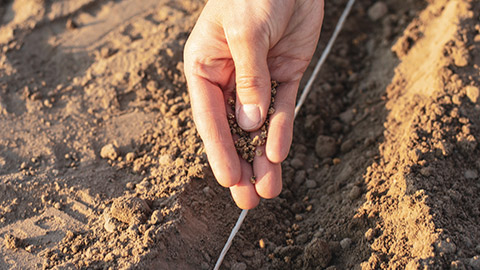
156 217
109 225
311 184
109 151
446 247
354 193
475 262
106 52
248 253
239 266
296 163
471 174
347 146
457 265
477 249
377 11
347 116
152 86
300 177
165 160
325 146
473 93
129 157
370 234
345 243
57 205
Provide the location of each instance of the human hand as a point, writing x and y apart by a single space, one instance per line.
239 46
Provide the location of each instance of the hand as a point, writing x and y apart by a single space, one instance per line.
240 45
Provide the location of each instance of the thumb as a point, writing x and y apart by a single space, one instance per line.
249 52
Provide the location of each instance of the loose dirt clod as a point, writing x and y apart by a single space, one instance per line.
130 210
246 145
12 242
317 253
109 151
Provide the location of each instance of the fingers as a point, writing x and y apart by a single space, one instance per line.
249 48
280 132
210 118
268 183
243 193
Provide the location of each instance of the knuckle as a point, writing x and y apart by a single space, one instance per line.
248 83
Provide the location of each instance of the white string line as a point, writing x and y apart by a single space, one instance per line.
302 99
230 238
324 56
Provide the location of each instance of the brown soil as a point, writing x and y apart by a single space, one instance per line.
101 166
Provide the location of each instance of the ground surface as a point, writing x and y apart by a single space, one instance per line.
101 166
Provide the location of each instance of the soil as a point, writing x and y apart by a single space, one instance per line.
101 166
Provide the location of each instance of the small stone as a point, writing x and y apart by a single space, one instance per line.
347 116
473 93
457 265
345 243
130 185
239 266
208 191
109 257
105 52
377 11
471 174
370 234
57 205
477 249
336 161
248 253
460 57
354 193
325 146
109 151
300 177
347 146
152 86
129 157
110 225
29 248
297 163
156 217
475 262
446 247
165 160
311 184
70 25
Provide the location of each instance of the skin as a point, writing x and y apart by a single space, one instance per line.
242 45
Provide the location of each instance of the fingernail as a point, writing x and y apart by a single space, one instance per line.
249 116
